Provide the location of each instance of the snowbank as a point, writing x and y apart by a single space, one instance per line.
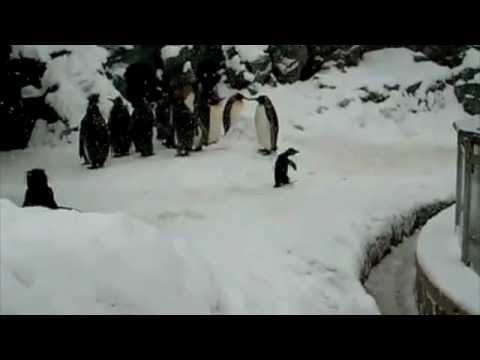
439 256
79 74
69 263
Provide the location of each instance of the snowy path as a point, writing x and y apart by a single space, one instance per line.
293 251
392 282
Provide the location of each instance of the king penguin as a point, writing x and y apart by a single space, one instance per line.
232 111
216 129
266 121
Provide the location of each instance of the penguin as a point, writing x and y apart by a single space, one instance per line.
210 114
119 126
266 121
142 128
162 119
39 193
233 108
216 128
94 135
199 130
281 167
184 122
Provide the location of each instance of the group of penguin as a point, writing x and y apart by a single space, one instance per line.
98 136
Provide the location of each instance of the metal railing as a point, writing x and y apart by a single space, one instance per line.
467 215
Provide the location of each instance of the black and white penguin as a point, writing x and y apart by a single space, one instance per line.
94 135
119 126
142 128
281 167
199 130
184 122
216 129
266 122
232 111
210 113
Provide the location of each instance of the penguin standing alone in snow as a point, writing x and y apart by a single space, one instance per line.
266 121
281 167
94 136
233 109
119 126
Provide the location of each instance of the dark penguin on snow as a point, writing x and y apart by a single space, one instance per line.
142 128
281 167
119 126
184 122
94 136
266 122
39 193
200 132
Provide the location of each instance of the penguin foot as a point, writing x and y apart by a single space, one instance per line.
264 152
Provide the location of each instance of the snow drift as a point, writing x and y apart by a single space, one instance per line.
63 262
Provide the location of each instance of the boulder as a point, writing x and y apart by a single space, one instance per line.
289 62
469 96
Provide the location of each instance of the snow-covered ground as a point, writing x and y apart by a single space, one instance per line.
213 223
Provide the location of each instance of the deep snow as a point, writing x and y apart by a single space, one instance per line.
254 250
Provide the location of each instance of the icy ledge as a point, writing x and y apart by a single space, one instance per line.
401 227
444 284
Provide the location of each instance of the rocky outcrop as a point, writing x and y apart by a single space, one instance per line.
243 70
289 62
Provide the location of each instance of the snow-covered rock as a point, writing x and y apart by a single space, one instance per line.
246 64
289 62
79 74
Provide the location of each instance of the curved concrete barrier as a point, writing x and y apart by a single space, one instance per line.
403 226
444 285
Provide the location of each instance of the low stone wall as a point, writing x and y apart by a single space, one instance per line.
430 300
403 227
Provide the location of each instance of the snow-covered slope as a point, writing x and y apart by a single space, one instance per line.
255 250
67 263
